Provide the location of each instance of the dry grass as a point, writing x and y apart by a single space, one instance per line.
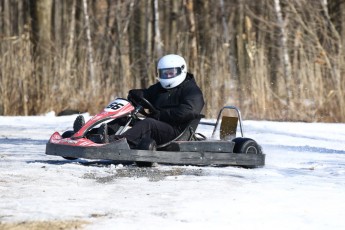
43 225
30 86
316 95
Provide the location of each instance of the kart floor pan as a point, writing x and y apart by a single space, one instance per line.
183 153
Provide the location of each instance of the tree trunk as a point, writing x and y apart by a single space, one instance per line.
41 28
157 34
124 71
240 52
285 55
70 46
193 49
171 42
89 49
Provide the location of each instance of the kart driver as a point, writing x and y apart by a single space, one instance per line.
177 100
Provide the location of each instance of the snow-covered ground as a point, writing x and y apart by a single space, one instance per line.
302 185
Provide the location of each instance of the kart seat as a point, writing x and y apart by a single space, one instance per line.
188 133
228 128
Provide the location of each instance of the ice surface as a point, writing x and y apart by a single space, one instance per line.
302 185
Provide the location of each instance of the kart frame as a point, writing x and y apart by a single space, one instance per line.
228 151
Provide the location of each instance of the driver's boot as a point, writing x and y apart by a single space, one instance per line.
146 144
103 133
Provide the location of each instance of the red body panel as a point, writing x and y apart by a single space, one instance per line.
57 139
116 109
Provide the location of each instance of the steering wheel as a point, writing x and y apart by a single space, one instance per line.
144 103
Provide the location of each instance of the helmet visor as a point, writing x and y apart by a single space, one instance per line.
169 72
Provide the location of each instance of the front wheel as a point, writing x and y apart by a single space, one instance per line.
246 145
67 134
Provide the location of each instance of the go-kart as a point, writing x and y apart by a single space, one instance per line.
189 148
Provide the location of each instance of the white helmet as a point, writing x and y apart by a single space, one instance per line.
172 70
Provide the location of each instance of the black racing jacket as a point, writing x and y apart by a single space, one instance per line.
179 105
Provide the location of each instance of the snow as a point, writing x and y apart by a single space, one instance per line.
302 185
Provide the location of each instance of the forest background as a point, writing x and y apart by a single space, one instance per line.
274 59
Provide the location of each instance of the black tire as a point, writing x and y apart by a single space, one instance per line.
67 134
142 164
246 145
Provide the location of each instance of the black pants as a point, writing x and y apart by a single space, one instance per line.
159 131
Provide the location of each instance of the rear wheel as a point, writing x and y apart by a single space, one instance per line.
67 134
246 145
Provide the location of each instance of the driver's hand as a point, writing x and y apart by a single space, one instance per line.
155 114
135 93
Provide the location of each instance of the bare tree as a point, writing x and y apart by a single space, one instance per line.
41 28
71 35
193 55
89 46
157 39
285 53
240 46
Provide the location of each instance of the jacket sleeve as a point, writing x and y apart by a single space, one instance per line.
136 93
191 103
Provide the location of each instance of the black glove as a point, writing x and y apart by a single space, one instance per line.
135 94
